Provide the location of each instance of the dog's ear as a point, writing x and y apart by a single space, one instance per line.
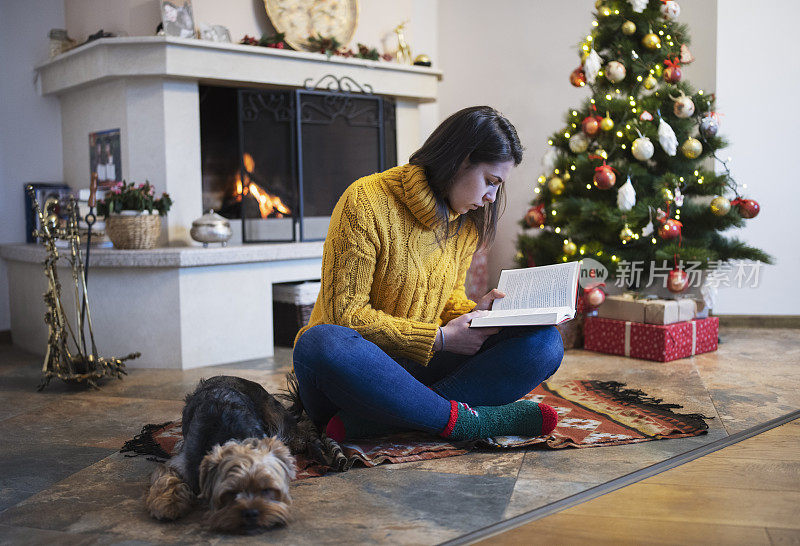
208 471
281 452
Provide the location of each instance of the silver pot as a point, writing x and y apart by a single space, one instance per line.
211 228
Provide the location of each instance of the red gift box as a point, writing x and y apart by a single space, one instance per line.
651 341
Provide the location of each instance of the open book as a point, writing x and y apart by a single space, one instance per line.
534 296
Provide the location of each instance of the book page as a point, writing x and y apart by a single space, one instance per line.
537 287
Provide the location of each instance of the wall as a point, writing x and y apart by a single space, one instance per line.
30 139
518 57
757 95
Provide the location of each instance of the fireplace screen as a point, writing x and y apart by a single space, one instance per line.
278 160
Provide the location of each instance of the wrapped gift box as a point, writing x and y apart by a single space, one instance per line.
651 341
650 311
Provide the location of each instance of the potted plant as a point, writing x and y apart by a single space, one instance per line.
133 214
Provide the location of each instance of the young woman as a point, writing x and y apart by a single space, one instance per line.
388 344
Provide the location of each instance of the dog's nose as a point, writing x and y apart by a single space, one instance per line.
249 514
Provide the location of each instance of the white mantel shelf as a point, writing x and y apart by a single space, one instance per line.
224 64
175 257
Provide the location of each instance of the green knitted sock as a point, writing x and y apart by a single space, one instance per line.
521 418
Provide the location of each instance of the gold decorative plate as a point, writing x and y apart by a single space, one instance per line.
300 19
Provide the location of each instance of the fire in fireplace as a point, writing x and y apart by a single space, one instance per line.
278 160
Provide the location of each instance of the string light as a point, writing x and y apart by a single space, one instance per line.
608 97
553 212
614 258
558 230
588 186
660 32
653 240
550 142
566 135
537 190
574 113
623 146
619 134
542 179
572 167
638 78
594 23
556 171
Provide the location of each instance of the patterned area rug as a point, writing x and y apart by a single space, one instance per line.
591 414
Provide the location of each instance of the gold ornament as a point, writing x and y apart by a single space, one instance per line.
667 195
403 55
422 60
555 185
606 124
651 41
691 148
650 82
628 28
720 206
71 352
626 234
570 248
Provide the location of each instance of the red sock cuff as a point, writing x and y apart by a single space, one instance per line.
549 418
335 429
451 423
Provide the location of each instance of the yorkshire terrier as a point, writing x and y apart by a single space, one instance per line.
234 456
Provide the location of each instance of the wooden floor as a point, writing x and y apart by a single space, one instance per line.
748 493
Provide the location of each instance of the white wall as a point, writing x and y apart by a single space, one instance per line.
30 125
757 95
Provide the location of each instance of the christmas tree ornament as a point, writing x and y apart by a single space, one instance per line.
651 41
535 216
628 28
615 71
709 125
648 229
626 234
591 66
606 124
691 148
591 125
667 138
670 10
645 116
677 280
686 55
672 71
578 77
549 160
569 248
626 196
604 177
683 107
650 82
666 195
661 216
670 229
594 296
642 148
720 206
555 185
677 197
578 143
748 208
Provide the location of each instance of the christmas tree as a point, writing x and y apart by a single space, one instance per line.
630 177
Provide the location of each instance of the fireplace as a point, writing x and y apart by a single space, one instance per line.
277 160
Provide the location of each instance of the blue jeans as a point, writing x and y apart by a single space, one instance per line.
337 369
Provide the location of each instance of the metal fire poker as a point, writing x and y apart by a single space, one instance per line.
90 219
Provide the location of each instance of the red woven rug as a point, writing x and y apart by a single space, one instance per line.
591 414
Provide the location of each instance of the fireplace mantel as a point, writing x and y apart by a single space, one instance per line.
225 64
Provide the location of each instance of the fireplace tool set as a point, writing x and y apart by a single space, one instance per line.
71 351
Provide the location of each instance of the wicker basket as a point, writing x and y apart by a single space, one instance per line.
138 231
291 309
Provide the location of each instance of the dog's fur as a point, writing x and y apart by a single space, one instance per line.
234 456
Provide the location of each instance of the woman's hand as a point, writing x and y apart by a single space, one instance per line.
459 338
485 302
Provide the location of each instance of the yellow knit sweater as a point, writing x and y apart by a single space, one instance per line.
383 273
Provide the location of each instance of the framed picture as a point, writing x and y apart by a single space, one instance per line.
47 194
105 157
176 16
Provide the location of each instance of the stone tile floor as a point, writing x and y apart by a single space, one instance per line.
62 479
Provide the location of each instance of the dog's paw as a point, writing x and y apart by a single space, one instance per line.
169 497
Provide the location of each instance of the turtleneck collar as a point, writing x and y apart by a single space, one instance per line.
415 191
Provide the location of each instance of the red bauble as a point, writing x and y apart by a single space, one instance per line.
594 297
578 77
748 208
677 280
535 216
590 125
670 229
672 74
604 177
